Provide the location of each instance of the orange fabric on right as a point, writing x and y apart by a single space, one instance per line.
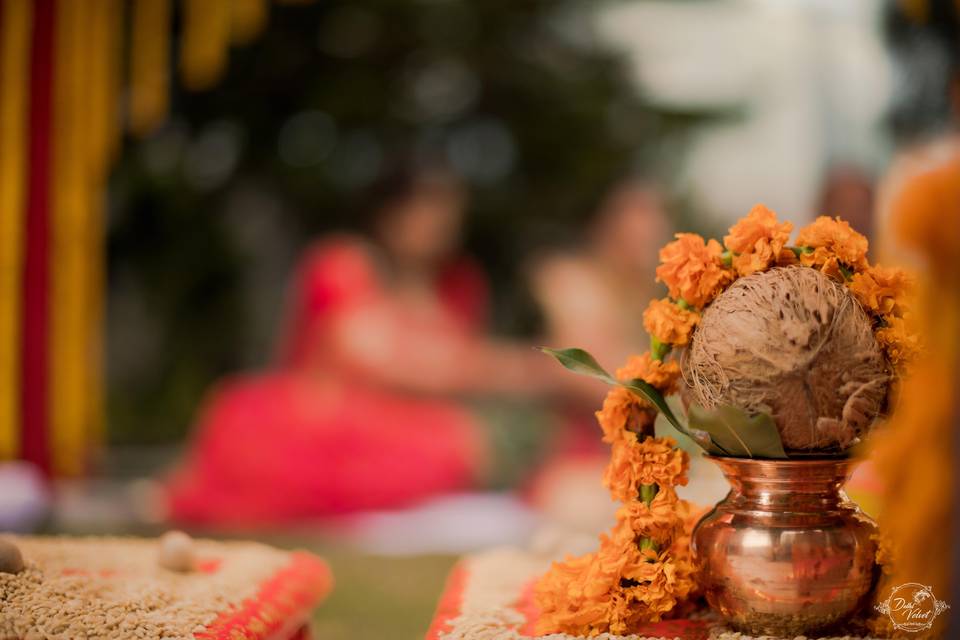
915 454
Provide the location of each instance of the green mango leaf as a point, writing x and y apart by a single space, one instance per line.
703 440
653 396
738 433
579 361
650 393
699 438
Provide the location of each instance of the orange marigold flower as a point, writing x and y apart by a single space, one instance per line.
668 323
758 239
832 237
614 590
824 261
883 290
583 595
560 595
661 374
653 461
758 225
761 259
831 268
787 258
624 414
661 584
659 521
900 342
692 269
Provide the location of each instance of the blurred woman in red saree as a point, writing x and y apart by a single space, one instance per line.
364 409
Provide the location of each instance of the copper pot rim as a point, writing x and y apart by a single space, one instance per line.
805 461
769 467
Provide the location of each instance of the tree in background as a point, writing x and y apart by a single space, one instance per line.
209 214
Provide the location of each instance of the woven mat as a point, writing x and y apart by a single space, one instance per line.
489 596
114 588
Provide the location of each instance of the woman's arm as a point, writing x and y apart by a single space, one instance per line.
368 342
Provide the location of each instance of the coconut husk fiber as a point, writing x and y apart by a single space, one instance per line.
793 343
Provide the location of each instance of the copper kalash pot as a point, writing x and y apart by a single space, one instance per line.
786 552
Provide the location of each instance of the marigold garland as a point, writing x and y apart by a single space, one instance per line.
643 569
697 271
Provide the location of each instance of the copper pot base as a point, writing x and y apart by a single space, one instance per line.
786 553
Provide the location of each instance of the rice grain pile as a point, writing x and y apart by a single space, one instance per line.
113 588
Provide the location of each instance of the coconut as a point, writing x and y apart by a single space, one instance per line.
795 344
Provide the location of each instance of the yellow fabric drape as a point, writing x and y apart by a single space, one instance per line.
85 139
69 215
84 126
149 65
205 42
15 28
247 19
106 24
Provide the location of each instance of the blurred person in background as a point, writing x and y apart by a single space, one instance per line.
368 405
593 295
925 173
848 192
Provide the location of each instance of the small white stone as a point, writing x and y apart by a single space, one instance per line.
11 560
176 552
